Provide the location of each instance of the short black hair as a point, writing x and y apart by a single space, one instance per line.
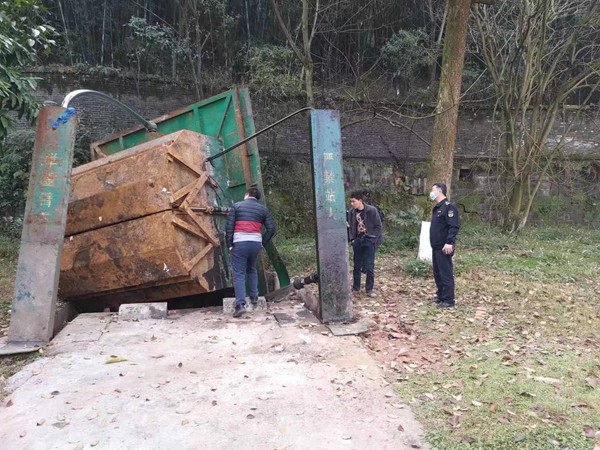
442 187
253 192
358 195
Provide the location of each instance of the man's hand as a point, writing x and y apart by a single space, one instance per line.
448 249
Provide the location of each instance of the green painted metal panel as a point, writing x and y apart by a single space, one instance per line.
330 214
44 223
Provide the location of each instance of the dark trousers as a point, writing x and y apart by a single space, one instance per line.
243 263
444 275
364 259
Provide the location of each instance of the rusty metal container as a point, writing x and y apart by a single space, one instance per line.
140 225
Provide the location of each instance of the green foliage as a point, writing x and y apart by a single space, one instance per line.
476 81
275 72
298 254
288 187
403 229
550 207
407 54
15 163
418 269
150 44
21 35
10 232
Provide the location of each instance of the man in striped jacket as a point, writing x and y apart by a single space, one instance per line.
245 240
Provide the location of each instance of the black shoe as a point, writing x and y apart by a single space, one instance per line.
254 301
240 310
445 304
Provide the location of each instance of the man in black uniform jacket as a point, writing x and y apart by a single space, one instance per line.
442 236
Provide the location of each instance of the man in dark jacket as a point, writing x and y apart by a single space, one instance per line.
442 237
365 236
245 240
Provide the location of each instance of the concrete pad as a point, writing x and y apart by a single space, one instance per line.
204 380
229 305
143 311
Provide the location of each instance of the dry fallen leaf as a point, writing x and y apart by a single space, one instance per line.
547 380
115 359
593 382
527 394
589 432
455 420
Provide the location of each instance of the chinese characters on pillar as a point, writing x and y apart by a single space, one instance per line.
45 185
328 180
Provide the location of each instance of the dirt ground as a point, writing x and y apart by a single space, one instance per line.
200 379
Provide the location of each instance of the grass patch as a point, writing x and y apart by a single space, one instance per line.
417 268
493 399
298 254
9 252
547 254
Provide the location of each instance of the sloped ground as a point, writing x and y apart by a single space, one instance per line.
515 365
204 380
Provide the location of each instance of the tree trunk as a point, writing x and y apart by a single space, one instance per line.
308 62
443 142
103 33
69 48
304 56
514 206
436 40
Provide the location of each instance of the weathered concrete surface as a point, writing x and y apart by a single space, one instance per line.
204 380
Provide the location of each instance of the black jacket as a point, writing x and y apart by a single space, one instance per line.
250 210
372 223
444 225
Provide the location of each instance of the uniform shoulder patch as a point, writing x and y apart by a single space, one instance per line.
450 213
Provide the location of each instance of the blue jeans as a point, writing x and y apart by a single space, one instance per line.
243 263
364 258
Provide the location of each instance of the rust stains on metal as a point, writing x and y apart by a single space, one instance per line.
140 221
